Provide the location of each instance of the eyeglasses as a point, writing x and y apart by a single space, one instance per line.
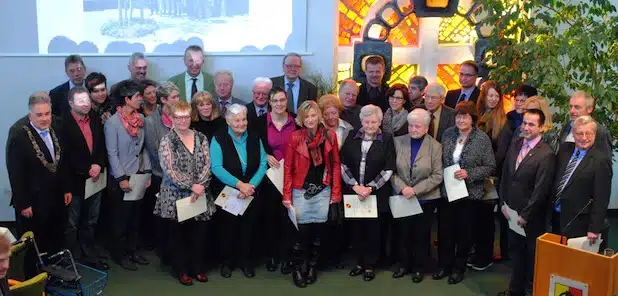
467 74
433 98
293 66
396 98
188 117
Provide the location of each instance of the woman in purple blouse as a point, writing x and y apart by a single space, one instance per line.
275 130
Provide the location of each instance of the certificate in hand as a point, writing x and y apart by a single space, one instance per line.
455 189
583 243
228 200
293 216
355 208
276 176
137 182
513 215
185 209
403 207
93 187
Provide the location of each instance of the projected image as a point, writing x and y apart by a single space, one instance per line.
114 26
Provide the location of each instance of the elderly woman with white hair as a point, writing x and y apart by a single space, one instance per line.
238 160
418 176
367 164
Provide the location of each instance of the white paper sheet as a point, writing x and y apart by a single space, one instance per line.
185 209
137 182
228 200
276 176
583 243
490 189
355 208
293 216
403 207
94 187
513 215
455 189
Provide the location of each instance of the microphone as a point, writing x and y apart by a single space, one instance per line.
563 230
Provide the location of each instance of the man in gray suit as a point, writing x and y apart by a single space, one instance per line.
442 116
298 89
224 83
582 104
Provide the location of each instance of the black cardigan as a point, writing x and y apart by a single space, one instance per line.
208 128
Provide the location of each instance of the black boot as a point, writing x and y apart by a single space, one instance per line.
312 273
297 274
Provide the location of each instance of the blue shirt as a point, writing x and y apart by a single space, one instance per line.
71 85
415 147
582 153
295 90
216 160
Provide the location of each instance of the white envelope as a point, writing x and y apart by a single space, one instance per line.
583 243
355 208
185 209
513 215
276 176
455 189
137 182
92 187
228 200
403 207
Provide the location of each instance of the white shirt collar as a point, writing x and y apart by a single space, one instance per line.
37 129
199 77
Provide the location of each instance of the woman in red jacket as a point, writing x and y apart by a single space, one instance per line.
312 181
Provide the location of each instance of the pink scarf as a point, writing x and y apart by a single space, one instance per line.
131 123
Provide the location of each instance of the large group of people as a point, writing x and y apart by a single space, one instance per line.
190 137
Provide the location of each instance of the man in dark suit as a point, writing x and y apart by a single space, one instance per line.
442 117
582 186
76 71
527 176
298 89
37 174
259 105
468 73
224 83
84 143
582 104
374 90
348 92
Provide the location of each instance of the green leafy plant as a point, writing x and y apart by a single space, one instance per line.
558 46
325 85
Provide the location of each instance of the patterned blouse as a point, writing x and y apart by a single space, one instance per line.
182 169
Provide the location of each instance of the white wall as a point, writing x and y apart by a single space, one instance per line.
22 75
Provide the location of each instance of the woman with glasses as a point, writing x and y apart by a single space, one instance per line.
394 122
185 161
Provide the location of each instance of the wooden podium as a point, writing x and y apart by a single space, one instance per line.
558 268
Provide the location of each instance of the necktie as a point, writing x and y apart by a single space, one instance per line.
262 111
462 98
431 127
290 93
522 154
223 105
47 139
567 173
193 89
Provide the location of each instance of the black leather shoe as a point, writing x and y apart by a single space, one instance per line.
400 273
299 280
139 259
312 276
455 278
357 271
369 275
248 271
417 277
272 265
440 274
127 264
226 271
286 267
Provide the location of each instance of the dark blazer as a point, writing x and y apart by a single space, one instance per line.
4 286
453 95
602 142
32 184
447 119
251 113
261 130
527 188
59 99
381 157
591 180
78 158
363 97
352 116
307 90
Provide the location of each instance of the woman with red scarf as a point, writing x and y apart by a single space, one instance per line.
312 181
124 140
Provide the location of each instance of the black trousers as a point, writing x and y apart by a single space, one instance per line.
455 232
187 241
522 254
275 232
415 239
147 229
366 241
388 240
336 241
484 233
504 234
125 224
308 245
83 216
236 236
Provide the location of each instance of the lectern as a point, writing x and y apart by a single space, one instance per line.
559 269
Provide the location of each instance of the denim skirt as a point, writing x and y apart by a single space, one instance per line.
313 210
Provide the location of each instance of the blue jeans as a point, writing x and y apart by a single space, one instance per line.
82 222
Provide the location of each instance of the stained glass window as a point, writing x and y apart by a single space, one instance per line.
406 33
344 71
402 73
351 15
455 30
448 75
